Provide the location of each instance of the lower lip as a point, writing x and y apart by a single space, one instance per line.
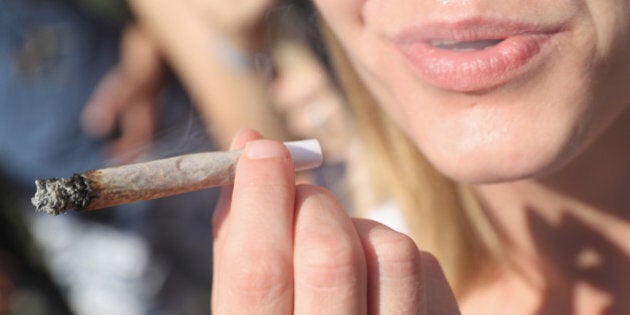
470 71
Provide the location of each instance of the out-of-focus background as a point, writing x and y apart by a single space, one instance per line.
86 84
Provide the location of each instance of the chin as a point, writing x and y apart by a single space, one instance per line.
501 160
477 174
491 170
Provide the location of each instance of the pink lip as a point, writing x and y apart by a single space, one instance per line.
470 71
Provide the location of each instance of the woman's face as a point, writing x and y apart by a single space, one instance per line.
492 90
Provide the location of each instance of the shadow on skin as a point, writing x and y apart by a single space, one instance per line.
584 256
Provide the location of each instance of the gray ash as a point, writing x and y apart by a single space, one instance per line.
57 195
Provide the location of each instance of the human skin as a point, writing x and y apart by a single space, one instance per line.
192 40
539 124
125 99
502 125
281 248
286 249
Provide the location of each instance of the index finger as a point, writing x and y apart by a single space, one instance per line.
255 261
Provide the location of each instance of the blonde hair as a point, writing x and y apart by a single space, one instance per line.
445 217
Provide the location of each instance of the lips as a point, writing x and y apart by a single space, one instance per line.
472 55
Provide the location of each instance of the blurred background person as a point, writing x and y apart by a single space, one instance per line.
91 83
53 54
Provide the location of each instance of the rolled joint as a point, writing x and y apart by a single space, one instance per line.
97 189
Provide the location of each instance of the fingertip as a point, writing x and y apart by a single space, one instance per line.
242 137
98 118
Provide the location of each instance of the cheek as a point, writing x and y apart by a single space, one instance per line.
341 14
376 63
613 55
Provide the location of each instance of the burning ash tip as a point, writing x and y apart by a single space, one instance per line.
50 197
57 195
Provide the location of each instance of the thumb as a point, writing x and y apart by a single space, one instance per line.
225 198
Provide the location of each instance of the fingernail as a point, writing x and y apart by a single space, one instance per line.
264 149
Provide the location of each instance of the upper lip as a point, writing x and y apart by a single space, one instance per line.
471 29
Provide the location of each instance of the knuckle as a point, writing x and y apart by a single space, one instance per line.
330 261
397 255
261 275
307 192
329 254
267 193
431 268
429 260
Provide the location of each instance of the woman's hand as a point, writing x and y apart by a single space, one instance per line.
125 99
227 94
286 249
